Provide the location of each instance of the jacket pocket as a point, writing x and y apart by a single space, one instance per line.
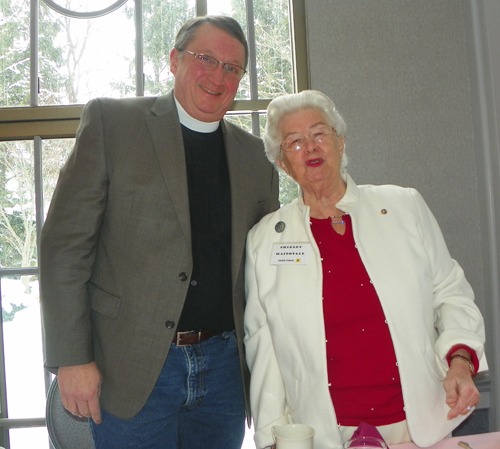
103 302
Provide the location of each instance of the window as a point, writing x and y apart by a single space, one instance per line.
55 55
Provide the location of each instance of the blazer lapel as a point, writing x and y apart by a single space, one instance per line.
166 134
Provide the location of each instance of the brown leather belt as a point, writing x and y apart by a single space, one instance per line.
189 338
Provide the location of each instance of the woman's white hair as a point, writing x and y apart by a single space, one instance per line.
285 105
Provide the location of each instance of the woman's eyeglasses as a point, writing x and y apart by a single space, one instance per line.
297 142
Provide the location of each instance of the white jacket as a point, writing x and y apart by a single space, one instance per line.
426 299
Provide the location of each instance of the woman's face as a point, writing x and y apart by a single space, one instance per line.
315 162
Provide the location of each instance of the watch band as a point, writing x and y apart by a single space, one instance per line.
466 360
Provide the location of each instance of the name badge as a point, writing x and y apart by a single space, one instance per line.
290 253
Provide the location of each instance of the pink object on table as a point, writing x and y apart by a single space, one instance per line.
367 430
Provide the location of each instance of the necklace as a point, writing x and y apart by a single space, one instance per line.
336 221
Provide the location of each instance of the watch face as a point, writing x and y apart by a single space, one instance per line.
85 8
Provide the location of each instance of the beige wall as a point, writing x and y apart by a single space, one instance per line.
406 76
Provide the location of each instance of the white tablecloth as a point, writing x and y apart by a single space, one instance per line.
482 441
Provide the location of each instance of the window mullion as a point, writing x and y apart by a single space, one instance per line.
4 435
34 75
299 46
252 63
252 58
201 8
139 49
37 159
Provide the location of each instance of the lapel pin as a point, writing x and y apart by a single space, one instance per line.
280 227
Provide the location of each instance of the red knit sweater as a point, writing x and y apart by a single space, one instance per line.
362 366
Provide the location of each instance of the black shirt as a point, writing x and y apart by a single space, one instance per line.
208 304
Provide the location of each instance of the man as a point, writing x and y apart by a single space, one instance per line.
142 255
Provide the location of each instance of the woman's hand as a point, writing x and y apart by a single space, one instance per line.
461 392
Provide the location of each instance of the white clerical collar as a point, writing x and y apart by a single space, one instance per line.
192 123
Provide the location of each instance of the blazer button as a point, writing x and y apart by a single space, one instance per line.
170 324
183 276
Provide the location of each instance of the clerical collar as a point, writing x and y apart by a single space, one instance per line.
192 123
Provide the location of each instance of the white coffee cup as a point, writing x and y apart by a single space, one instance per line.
293 436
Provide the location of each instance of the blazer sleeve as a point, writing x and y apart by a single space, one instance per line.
68 246
267 390
456 316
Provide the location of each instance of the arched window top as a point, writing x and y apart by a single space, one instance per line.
86 14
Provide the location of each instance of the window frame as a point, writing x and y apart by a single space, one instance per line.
37 123
24 123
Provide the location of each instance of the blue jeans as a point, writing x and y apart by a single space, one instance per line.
197 403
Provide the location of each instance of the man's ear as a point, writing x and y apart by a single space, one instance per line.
174 60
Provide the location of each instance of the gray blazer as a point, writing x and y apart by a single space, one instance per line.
117 241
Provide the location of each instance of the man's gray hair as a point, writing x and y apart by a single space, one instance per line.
286 105
225 23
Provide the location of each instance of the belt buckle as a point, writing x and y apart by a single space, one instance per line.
180 334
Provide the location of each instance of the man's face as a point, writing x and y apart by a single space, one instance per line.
205 94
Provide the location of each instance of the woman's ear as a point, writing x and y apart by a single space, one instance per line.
341 146
282 165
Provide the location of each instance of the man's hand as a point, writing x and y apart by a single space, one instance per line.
80 388
461 392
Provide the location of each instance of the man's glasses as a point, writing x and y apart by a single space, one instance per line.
297 142
210 63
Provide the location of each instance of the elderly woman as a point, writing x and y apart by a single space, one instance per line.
356 312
